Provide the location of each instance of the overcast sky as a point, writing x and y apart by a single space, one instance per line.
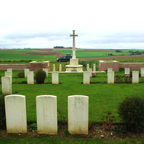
48 23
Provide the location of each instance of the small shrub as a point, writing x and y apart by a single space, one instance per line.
121 69
33 127
108 122
40 76
131 111
93 74
127 79
118 78
20 75
120 129
24 82
66 132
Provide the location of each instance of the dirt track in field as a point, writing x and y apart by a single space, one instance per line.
112 57
104 50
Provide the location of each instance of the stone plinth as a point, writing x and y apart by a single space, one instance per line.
55 77
90 71
46 107
142 72
46 71
135 77
74 66
30 77
6 85
15 109
26 70
86 77
9 74
78 109
111 77
39 65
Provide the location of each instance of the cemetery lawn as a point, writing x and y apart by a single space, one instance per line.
49 140
103 97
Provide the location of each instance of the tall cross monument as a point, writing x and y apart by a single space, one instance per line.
74 51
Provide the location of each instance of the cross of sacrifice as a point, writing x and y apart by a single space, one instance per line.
73 50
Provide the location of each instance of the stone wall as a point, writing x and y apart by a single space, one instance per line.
115 65
14 66
33 66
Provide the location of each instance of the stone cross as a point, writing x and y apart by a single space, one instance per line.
74 53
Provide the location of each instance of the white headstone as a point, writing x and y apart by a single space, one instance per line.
87 66
142 72
90 71
53 67
6 85
9 74
55 77
60 68
26 70
9 69
86 77
30 77
15 109
94 67
108 70
74 53
46 71
78 109
46 107
111 77
135 76
127 71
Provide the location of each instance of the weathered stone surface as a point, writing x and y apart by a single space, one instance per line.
127 71
135 76
6 85
86 77
26 70
90 71
87 66
9 69
78 109
53 67
15 109
30 77
55 77
94 67
60 68
108 70
9 74
46 71
142 72
46 107
111 77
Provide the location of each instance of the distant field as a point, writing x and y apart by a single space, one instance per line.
91 54
53 54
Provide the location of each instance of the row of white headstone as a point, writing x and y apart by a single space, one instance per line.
46 110
135 75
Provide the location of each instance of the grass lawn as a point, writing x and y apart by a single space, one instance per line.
103 98
44 140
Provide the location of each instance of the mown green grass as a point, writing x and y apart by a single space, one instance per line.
103 98
48 140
